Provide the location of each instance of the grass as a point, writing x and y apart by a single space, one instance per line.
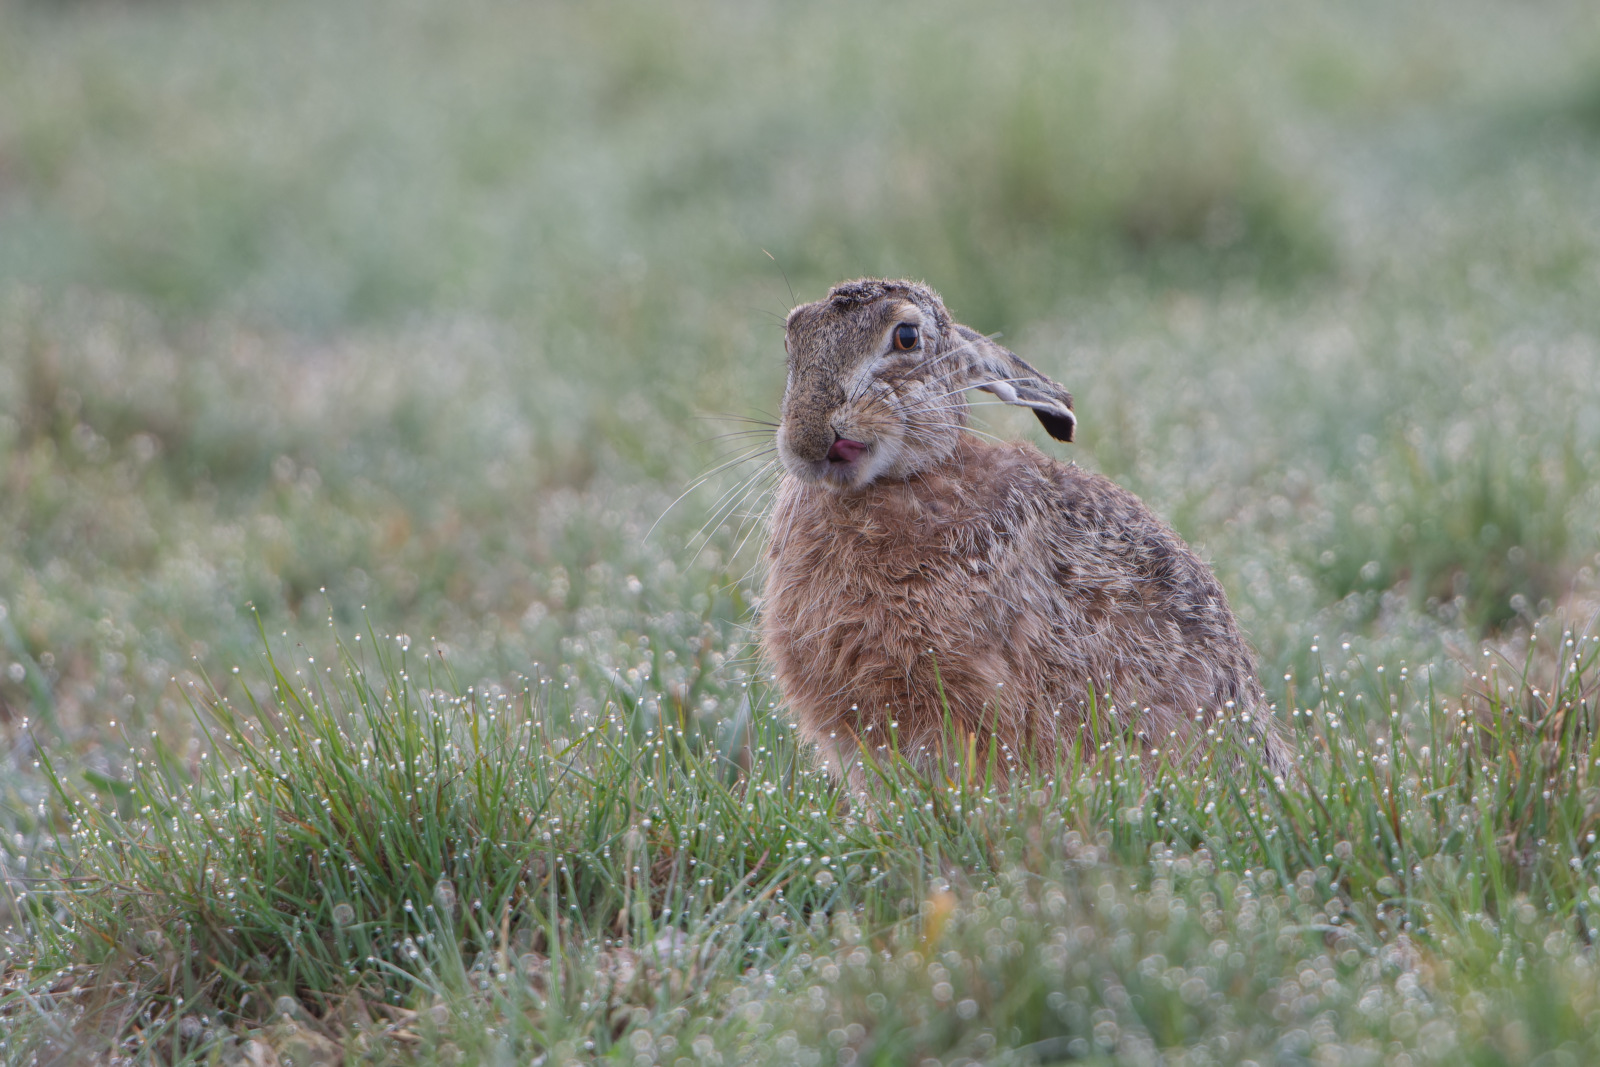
373 854
384 320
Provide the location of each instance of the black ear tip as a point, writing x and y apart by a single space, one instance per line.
1058 426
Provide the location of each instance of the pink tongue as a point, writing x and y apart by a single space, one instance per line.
845 451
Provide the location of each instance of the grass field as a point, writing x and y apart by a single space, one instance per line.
366 697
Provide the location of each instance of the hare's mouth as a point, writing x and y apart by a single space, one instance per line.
848 464
846 452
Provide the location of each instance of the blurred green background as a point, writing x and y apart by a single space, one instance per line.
417 309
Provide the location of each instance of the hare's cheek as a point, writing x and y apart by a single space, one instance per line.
866 420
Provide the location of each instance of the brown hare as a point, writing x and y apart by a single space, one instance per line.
924 582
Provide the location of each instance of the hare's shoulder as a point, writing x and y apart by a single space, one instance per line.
1101 531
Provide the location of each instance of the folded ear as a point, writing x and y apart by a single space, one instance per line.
1008 376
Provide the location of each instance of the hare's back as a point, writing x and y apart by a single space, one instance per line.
1123 569
1103 531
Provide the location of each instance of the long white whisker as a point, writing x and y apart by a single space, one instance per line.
748 454
721 467
731 494
732 435
978 385
698 482
726 416
923 432
956 368
728 501
752 521
993 404
720 515
723 513
948 355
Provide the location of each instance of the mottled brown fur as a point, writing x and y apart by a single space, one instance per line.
1012 583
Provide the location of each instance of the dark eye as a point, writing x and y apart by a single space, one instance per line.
905 337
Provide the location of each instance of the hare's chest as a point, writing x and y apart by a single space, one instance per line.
915 574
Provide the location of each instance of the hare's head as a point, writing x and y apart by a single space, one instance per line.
878 374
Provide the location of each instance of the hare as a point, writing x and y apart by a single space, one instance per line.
926 584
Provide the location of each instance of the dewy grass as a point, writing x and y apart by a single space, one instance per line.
583 195
282 323
371 854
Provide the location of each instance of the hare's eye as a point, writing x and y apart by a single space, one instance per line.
905 337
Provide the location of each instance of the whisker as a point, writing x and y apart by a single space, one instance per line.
755 453
993 404
979 385
949 355
721 467
734 434
914 431
767 312
723 512
738 486
725 416
783 274
718 515
753 518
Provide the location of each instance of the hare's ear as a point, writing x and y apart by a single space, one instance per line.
1008 376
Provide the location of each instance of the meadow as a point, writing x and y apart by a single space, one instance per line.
380 528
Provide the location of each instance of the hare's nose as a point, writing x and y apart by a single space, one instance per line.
845 451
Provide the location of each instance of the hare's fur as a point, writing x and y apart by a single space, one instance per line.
938 587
